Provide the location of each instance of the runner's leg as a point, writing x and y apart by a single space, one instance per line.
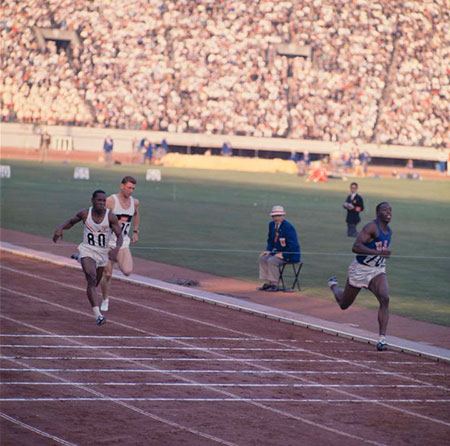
345 297
379 286
90 271
106 280
125 261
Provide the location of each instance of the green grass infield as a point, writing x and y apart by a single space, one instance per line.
216 221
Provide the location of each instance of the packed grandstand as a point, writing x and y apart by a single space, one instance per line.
378 71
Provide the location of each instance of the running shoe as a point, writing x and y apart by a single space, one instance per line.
101 320
74 256
381 346
332 281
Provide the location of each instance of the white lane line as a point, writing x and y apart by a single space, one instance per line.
171 314
280 412
158 358
230 400
36 430
172 384
179 371
150 347
133 408
158 338
216 326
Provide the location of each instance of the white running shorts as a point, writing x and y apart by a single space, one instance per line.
100 256
360 275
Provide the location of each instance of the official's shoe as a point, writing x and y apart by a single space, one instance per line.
265 287
381 346
101 320
74 256
105 305
273 289
332 281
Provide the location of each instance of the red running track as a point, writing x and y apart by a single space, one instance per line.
167 370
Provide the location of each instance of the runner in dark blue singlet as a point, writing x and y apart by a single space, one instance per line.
369 268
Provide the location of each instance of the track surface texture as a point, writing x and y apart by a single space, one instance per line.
167 370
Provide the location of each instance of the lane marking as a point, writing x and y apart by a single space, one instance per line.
159 338
218 390
141 347
172 384
413 414
230 400
158 358
252 372
35 430
133 408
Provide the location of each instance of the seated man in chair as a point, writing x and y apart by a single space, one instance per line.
282 247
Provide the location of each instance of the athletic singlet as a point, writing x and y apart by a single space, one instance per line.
124 216
97 235
381 242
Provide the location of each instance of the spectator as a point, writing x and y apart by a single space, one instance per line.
149 152
226 149
375 75
282 247
108 147
365 159
44 146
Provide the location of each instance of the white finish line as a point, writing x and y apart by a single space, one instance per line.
252 372
230 400
172 384
156 358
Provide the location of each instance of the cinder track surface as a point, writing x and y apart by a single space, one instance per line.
166 370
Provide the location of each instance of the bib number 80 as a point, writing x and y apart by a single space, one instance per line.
101 240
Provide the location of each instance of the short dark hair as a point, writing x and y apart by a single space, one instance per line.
129 179
354 184
379 206
98 191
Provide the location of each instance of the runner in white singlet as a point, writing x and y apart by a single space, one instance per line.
127 210
94 250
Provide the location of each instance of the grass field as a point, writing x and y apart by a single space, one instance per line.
216 221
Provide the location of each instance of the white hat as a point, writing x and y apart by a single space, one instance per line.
277 210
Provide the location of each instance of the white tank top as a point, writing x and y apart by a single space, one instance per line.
97 235
124 216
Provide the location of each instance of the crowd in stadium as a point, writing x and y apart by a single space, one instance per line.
377 71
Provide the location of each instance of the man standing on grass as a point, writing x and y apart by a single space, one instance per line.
354 205
127 210
369 268
94 251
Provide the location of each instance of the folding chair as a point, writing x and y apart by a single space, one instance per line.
296 267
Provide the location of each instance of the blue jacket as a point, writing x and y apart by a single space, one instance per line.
286 242
108 145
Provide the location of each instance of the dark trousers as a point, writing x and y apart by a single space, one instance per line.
351 230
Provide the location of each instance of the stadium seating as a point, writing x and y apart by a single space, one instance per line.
377 71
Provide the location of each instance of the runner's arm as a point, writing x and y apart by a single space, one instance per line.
80 215
368 233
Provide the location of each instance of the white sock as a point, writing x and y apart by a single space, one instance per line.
382 339
96 311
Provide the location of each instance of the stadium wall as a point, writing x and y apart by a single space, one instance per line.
91 139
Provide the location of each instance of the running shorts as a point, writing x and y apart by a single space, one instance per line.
100 256
360 275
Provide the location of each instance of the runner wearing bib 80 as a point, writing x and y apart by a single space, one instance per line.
94 251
